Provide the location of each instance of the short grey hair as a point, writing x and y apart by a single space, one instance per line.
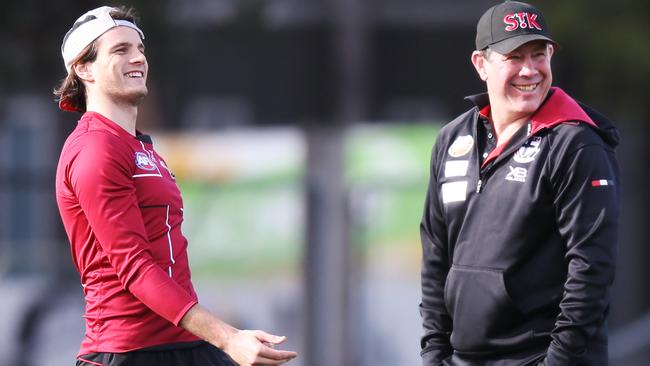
486 52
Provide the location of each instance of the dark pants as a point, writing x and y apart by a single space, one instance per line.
198 354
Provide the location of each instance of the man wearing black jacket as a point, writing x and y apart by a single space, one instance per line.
519 231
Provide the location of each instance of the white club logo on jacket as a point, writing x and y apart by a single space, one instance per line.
528 150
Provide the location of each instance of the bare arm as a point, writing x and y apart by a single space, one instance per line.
246 347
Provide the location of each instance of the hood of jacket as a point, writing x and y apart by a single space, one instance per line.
559 108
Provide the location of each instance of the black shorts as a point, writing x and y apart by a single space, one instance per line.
187 354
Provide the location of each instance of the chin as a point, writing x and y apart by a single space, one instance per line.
143 93
139 98
141 90
133 97
529 106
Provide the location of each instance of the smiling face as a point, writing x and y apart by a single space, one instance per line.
119 73
517 82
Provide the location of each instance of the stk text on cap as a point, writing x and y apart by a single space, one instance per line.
506 26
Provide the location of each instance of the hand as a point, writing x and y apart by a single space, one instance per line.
255 347
245 347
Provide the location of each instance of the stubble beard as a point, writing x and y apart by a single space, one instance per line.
130 98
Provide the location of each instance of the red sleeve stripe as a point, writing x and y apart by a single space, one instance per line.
602 182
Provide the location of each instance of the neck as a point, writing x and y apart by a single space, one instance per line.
505 126
124 115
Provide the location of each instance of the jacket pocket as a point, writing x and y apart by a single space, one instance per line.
484 316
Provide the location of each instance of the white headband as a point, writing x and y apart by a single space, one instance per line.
87 29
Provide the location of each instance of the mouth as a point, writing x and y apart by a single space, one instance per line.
135 74
526 88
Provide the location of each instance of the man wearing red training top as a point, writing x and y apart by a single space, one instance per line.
122 212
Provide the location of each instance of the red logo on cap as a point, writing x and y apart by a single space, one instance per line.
521 20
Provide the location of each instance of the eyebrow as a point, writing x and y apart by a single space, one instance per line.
140 46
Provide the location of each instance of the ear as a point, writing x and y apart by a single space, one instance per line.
551 50
84 71
478 60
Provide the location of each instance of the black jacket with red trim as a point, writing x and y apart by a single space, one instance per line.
519 253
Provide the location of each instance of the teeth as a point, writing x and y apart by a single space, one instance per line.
134 74
526 88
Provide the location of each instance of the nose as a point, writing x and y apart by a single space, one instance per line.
138 58
528 67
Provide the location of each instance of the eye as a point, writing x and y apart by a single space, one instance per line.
120 50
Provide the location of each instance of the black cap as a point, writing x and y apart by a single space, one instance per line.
508 25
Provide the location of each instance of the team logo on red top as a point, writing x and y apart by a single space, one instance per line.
142 161
521 20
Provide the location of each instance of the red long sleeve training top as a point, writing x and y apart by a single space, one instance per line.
122 211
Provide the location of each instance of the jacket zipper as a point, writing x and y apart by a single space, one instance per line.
483 173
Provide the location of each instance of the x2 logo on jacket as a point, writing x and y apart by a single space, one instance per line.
517 174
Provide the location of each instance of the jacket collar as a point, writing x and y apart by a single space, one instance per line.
558 108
